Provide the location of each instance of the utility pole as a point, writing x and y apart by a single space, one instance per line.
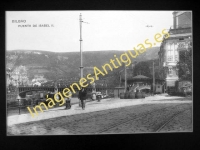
120 80
125 78
153 78
120 77
185 64
81 67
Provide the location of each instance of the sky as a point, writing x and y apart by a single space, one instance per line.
104 30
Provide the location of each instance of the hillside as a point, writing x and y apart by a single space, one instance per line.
55 65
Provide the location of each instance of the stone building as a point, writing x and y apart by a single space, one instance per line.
180 38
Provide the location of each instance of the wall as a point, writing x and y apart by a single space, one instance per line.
184 20
118 91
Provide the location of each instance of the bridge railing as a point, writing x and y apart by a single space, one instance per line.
22 89
14 104
60 89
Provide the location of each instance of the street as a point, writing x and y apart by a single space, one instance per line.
148 117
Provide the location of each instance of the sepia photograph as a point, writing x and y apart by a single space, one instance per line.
94 72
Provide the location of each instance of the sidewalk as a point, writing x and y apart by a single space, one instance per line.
93 106
15 110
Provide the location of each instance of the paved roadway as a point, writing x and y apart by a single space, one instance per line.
112 116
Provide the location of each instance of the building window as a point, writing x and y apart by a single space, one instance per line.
170 52
175 51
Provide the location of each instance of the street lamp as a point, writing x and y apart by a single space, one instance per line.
19 102
125 78
81 67
81 21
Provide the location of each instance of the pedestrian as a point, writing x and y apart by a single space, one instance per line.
68 101
185 92
127 88
82 96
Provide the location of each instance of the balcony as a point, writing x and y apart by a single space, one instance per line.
180 30
170 58
181 26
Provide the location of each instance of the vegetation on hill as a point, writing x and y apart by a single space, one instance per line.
55 65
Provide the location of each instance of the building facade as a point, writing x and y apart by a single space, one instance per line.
180 38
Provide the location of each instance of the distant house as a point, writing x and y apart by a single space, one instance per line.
39 78
37 84
19 76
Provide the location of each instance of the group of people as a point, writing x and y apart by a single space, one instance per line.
82 96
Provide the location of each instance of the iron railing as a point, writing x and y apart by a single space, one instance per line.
21 103
181 26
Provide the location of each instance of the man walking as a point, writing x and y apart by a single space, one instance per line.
82 96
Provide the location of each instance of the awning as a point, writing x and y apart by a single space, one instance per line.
144 87
140 77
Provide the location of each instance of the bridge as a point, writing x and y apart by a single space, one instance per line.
60 89
22 91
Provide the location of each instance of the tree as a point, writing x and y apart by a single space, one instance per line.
143 68
160 73
20 75
185 64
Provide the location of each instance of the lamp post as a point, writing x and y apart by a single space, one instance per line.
81 67
125 78
105 83
19 102
120 76
81 21
18 97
